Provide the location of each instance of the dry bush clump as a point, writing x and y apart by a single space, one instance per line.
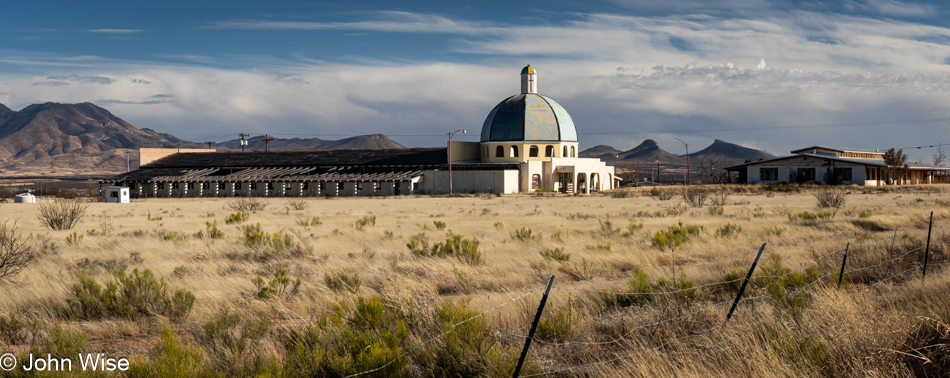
62 214
16 251
695 196
831 197
297 204
247 204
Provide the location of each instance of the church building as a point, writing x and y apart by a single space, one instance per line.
528 143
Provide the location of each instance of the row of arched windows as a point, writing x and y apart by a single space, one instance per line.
532 151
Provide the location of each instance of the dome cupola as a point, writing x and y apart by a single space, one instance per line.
529 116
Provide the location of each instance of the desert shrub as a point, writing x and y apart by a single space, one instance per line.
662 195
777 231
171 235
499 225
831 197
63 343
297 204
469 350
942 203
640 291
601 247
865 214
369 220
169 358
525 234
554 328
556 254
780 281
719 198
11 329
231 341
729 230
556 237
607 228
674 236
715 210
308 222
239 217
247 204
129 296
269 245
151 218
808 218
62 214
619 193
16 251
212 230
464 249
695 196
277 287
337 281
439 225
350 339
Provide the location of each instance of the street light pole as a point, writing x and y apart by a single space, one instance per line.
450 156
689 178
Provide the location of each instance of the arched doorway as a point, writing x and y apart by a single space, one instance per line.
582 183
595 182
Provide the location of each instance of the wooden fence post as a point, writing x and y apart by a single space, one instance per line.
534 326
843 261
746 282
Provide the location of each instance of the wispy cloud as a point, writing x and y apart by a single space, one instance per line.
116 31
402 22
893 8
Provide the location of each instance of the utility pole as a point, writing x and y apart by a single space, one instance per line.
450 155
267 138
209 144
243 141
689 178
657 171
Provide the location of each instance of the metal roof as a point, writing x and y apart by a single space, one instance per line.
529 117
866 162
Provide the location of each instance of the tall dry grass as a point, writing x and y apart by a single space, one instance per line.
818 328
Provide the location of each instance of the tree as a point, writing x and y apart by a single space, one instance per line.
939 157
897 168
713 167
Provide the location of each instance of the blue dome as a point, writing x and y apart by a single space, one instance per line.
529 117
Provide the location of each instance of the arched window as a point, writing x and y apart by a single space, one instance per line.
572 151
549 151
565 152
514 151
499 151
533 151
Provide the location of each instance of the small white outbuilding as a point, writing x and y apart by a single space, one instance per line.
117 194
24 198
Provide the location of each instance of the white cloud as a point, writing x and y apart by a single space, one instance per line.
893 8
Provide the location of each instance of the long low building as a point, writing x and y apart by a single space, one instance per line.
834 165
528 143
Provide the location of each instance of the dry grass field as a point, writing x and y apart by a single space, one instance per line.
440 286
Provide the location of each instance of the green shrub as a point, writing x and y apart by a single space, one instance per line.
942 203
729 230
151 218
169 358
464 249
601 247
525 234
350 340
439 225
633 227
74 238
337 281
11 329
777 231
308 222
607 228
808 218
734 280
641 291
556 254
554 328
232 342
239 217
556 237
271 245
865 214
779 282
715 210
674 236
171 235
212 230
369 220
63 343
276 288
499 225
129 296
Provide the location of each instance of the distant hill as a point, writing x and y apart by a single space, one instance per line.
602 152
732 151
362 141
85 139
650 152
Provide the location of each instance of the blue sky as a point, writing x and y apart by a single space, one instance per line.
775 75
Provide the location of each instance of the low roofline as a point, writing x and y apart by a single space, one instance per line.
865 162
836 150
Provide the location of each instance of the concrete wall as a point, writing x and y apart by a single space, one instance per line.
465 151
788 168
500 181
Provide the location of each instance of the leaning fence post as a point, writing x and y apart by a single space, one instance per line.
746 282
927 251
534 326
843 261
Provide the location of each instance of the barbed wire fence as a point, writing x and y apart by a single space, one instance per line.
830 278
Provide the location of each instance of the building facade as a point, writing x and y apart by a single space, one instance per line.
528 143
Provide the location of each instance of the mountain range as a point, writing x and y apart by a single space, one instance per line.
85 139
